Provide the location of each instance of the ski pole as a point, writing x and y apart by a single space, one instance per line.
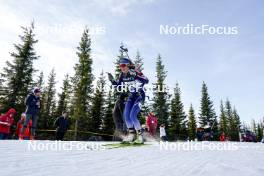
124 50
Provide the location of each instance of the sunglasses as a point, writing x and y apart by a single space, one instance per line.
122 65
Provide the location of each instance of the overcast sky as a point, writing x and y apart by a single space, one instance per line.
231 65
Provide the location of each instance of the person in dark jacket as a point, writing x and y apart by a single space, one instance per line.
32 110
62 125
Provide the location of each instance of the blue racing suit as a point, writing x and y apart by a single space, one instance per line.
133 83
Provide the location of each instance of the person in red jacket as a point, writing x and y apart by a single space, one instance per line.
27 132
222 137
6 121
152 124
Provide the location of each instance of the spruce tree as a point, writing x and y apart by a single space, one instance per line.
223 119
230 119
178 128
108 122
46 119
2 92
63 102
98 108
259 131
138 61
161 95
83 87
192 124
237 125
145 108
233 121
207 114
254 126
119 57
18 74
53 111
40 81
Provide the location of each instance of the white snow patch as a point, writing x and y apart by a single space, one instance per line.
17 159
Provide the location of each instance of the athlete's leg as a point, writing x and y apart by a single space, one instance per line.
134 113
127 110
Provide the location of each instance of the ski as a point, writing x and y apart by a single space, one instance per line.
124 145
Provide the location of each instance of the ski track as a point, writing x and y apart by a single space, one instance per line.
143 160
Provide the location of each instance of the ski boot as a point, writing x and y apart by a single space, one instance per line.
130 137
140 139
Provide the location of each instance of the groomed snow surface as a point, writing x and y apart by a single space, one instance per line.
49 158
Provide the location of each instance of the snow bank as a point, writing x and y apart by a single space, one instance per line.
18 159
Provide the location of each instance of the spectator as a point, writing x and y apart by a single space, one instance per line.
163 133
32 110
222 137
6 121
20 124
152 124
62 125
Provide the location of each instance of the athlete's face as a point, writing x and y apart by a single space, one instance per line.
124 68
37 94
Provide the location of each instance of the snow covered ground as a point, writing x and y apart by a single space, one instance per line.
19 158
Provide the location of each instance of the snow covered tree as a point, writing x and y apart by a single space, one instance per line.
177 123
98 108
18 74
161 95
82 84
192 124
207 114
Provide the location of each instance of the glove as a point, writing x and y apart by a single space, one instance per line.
110 77
132 72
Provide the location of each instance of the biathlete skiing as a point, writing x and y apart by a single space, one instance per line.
132 81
